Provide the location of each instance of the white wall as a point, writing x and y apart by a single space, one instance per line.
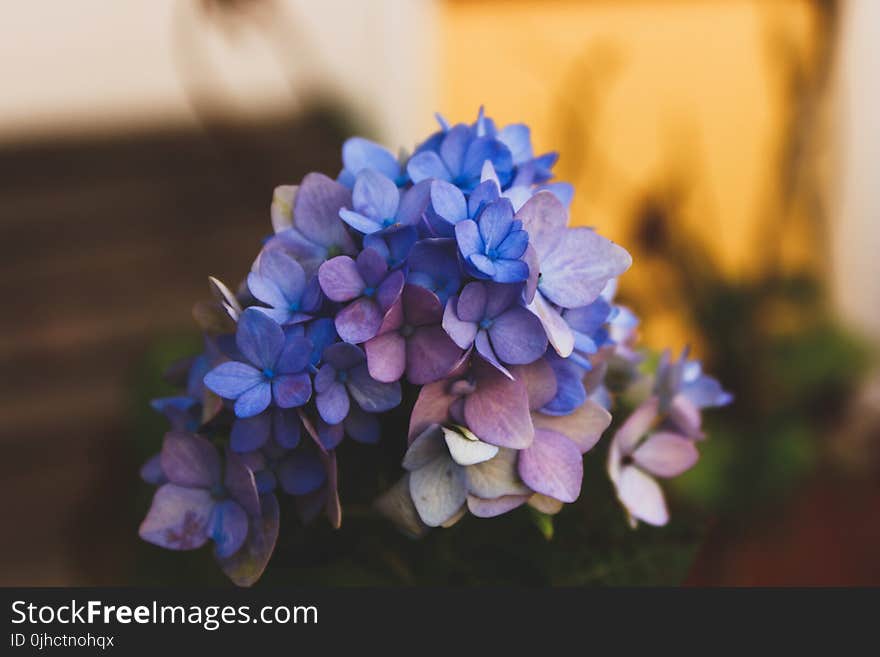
98 65
856 245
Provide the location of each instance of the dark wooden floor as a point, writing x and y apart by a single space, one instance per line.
104 246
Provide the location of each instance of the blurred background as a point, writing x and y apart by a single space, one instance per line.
731 145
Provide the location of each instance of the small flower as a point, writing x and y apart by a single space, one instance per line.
684 391
343 378
412 340
636 456
368 287
379 205
459 159
489 316
272 370
280 282
494 244
198 503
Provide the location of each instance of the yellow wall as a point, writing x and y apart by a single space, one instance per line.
635 96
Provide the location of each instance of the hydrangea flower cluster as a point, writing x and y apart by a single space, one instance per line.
454 273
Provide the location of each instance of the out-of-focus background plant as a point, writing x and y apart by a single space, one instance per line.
731 146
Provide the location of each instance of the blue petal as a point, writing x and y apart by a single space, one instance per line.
448 201
250 433
229 528
487 148
375 196
359 154
467 235
510 271
495 223
425 166
359 222
232 379
514 245
259 338
518 139
254 401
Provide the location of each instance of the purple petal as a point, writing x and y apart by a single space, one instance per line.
359 321
329 435
344 356
302 472
295 355
413 204
430 354
544 218
500 296
228 528
189 460
151 471
483 508
421 307
239 482
666 454
448 201
518 337
462 333
359 154
584 427
425 448
431 407
232 379
484 348
386 357
340 279
325 378
425 166
372 267
375 196
250 433
468 238
540 382
438 491
178 518
371 395
333 403
552 465
471 306
637 425
642 497
390 290
259 338
557 330
246 566
316 212
291 390
575 272
498 410
530 257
